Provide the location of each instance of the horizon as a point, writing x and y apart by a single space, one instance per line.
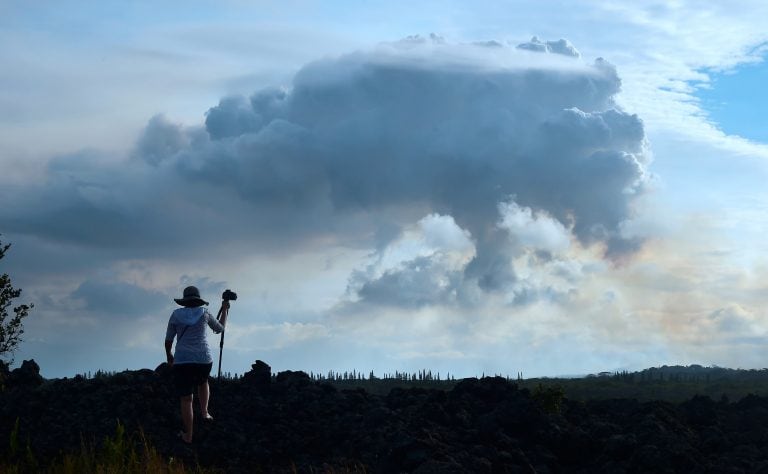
434 376
479 186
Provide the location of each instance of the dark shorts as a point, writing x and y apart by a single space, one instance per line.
187 377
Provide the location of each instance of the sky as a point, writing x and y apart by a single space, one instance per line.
552 188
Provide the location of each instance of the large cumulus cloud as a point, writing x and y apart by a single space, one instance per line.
360 147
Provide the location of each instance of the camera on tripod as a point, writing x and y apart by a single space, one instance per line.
229 295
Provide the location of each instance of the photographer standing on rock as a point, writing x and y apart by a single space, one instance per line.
191 364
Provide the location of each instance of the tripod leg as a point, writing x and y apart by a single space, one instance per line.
221 351
222 312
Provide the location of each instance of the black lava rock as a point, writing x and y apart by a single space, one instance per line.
28 375
294 424
260 374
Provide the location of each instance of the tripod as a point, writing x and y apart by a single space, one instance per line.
226 297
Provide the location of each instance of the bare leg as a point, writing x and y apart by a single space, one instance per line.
187 417
203 394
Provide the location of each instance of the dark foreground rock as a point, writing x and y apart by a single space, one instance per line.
291 424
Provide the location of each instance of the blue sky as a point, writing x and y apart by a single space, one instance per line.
736 101
389 186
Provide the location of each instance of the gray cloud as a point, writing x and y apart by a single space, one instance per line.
360 145
160 139
118 298
421 282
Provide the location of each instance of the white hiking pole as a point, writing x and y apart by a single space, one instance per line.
226 297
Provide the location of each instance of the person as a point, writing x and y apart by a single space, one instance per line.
191 362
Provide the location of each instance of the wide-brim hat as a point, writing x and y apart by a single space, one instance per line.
191 297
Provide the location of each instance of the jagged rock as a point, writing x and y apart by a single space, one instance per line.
260 374
292 378
28 375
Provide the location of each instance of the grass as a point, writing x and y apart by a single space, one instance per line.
121 454
117 455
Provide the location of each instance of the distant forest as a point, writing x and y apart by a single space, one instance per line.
671 383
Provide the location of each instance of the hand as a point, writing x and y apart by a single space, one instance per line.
225 304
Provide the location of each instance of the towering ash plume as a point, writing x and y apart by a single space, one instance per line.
360 147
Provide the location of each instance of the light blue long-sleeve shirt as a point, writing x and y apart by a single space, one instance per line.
187 325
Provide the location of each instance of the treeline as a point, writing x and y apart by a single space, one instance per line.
357 376
671 383
690 373
382 384
107 374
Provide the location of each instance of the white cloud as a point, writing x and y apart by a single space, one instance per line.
433 234
562 46
423 266
533 230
